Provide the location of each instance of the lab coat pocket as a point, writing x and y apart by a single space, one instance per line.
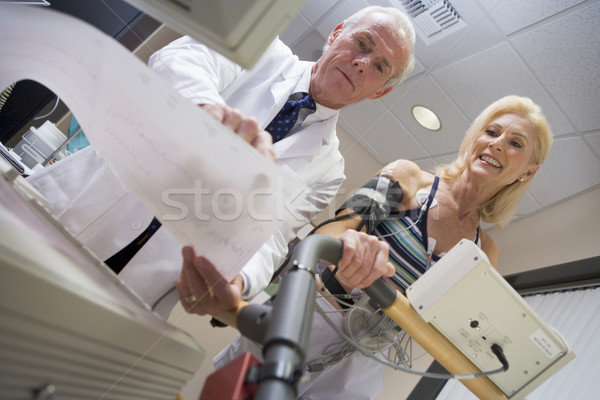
101 192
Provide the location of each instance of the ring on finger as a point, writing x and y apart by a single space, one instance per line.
190 298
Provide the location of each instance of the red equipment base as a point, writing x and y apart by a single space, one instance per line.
230 381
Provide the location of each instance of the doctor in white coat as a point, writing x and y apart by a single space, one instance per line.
365 57
93 202
311 154
361 60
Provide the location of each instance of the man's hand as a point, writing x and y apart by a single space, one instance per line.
364 259
246 127
202 289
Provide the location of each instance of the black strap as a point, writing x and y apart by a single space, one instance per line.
215 323
334 287
118 261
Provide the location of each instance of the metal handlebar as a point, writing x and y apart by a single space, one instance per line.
285 331
284 327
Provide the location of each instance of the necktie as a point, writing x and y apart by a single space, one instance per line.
291 116
118 261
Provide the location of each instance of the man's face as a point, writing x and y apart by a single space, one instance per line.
359 62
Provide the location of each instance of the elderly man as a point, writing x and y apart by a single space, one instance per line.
365 57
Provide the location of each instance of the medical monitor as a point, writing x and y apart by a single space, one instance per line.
240 30
470 303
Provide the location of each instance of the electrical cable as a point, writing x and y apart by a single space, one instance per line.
339 218
497 350
333 353
408 370
354 212
375 332
421 213
334 219
287 258
49 113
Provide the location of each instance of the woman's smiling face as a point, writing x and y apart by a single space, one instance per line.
504 149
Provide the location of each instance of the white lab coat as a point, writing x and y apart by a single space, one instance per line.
90 199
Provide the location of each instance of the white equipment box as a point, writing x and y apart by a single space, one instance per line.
70 328
472 305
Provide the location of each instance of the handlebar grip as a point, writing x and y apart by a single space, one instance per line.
306 254
229 317
314 247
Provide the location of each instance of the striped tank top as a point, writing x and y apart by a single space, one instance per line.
411 250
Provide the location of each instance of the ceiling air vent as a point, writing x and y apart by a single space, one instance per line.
432 19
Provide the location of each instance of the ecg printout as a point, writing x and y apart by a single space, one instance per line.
208 187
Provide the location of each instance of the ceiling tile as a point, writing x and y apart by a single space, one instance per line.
402 90
446 159
383 3
544 49
356 135
427 164
593 139
514 15
479 34
398 93
310 47
373 152
418 68
314 10
424 91
527 206
572 77
364 114
392 141
571 168
479 80
360 139
297 28
340 12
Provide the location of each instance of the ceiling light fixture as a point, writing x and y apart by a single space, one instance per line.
426 118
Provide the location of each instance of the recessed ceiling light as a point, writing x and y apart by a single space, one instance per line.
426 118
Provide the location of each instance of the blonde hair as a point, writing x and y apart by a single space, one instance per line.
502 206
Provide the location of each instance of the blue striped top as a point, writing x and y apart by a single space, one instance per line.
411 250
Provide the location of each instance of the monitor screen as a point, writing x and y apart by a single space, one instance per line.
240 30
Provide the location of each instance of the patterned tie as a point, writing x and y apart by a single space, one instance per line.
291 116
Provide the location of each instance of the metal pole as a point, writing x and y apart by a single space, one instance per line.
286 339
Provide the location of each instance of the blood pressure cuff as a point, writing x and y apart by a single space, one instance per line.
374 201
